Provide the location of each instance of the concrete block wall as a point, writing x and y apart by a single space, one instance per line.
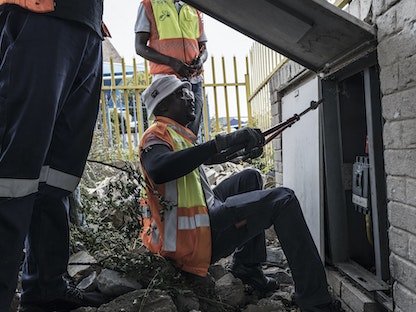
396 32
276 112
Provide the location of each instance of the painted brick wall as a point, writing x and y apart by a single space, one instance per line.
287 74
396 32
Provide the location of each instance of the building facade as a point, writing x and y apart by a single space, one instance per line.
369 114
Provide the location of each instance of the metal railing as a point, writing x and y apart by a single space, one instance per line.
122 117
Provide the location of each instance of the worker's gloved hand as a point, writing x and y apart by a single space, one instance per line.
181 68
237 157
196 66
217 159
254 153
245 138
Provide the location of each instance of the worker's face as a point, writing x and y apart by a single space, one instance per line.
183 107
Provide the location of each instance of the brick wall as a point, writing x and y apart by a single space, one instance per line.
396 23
396 32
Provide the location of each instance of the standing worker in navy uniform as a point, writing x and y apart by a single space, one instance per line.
50 80
170 34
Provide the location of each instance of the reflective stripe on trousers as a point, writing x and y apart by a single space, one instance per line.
22 187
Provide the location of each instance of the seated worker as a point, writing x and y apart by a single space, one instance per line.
186 221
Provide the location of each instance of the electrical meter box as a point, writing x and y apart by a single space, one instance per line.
361 185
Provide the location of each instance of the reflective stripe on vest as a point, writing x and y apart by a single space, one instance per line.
191 223
170 233
58 179
18 187
40 6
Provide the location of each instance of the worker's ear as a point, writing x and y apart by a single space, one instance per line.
161 109
164 106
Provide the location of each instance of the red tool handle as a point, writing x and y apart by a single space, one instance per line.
277 129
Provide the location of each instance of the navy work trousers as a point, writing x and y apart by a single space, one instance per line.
50 79
241 214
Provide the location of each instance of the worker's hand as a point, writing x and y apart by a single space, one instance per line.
254 153
217 159
183 69
197 65
245 138
237 157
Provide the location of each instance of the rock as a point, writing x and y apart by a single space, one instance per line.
271 235
230 290
282 276
276 256
143 300
211 175
80 257
266 305
187 302
217 271
85 309
284 296
113 283
89 283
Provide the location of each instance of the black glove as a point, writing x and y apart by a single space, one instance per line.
197 65
183 69
247 138
254 153
217 159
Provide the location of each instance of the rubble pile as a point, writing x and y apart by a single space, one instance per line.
107 254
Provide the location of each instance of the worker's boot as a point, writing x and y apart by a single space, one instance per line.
253 275
71 299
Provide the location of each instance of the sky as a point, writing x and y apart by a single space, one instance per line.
120 19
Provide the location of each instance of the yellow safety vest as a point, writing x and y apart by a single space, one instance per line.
175 215
173 34
40 6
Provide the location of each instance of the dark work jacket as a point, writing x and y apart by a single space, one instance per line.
88 12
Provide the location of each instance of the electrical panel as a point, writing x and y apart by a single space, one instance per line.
361 185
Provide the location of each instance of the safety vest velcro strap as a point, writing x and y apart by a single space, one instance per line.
18 187
58 179
191 223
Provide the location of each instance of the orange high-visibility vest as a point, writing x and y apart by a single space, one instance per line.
40 6
175 214
173 34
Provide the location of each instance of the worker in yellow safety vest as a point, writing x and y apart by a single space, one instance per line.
187 221
170 34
